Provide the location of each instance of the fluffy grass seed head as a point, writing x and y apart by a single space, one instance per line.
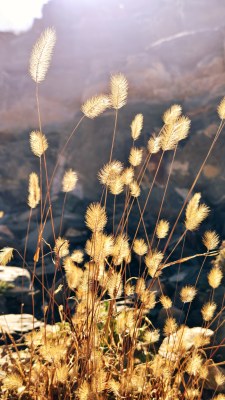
61 373
195 213
154 144
171 115
221 109
119 90
215 277
116 186
140 247
96 218
153 261
166 302
83 392
74 274
173 133
127 175
77 256
162 229
210 240
38 143
115 285
61 247
188 293
109 172
69 181
100 246
41 55
136 126
152 336
135 190
208 311
34 193
121 249
170 326
220 396
6 255
148 298
140 286
219 378
12 381
135 156
194 364
95 106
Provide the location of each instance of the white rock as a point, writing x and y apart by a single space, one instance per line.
18 323
18 277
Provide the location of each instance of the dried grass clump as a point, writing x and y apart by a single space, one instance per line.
109 342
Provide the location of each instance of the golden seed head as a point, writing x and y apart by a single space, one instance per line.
154 144
129 289
99 246
170 326
210 240
34 193
215 277
136 126
135 156
96 218
219 378
194 364
62 373
135 190
83 391
77 256
140 286
115 285
61 247
195 213
41 55
6 254
153 261
69 181
74 274
148 298
12 381
140 247
119 90
162 229
109 172
125 322
188 293
121 249
95 106
219 397
221 109
127 175
38 143
152 336
116 185
173 133
172 114
166 302
208 311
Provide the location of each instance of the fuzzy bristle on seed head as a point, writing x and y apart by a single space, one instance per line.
170 326
38 143
6 254
166 302
135 156
221 109
215 277
162 229
96 218
194 364
140 247
41 55
208 311
61 247
77 256
195 213
127 175
135 190
172 114
188 293
119 90
12 381
136 126
121 249
154 144
34 193
210 240
109 172
153 261
115 285
152 336
116 185
95 106
69 181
